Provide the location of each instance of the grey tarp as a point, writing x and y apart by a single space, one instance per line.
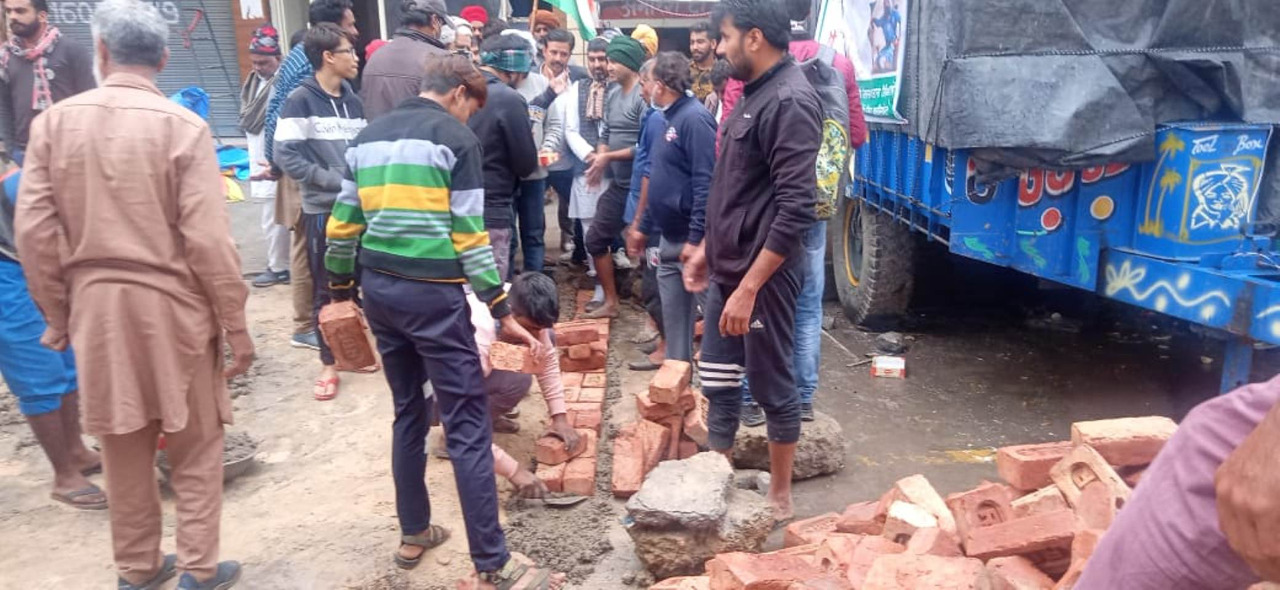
1069 83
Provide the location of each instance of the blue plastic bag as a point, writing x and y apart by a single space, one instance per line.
194 98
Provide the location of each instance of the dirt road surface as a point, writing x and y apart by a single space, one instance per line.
317 510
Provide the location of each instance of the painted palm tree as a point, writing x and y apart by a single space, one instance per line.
1169 147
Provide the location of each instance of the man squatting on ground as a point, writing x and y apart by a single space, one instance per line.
761 203
172 295
421 164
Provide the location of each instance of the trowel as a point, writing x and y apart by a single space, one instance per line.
558 501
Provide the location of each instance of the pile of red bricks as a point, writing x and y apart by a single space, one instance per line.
583 348
672 425
1034 532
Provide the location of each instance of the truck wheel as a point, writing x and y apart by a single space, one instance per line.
873 257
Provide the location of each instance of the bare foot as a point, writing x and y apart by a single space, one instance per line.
70 483
606 310
782 508
86 459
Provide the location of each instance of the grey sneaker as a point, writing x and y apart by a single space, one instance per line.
752 415
227 575
270 278
168 570
309 340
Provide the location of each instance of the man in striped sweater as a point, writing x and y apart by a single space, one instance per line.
413 202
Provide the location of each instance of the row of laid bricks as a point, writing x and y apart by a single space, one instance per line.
583 348
672 425
1034 532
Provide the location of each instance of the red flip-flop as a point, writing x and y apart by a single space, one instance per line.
325 389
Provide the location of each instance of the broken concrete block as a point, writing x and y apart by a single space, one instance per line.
820 451
570 334
551 450
904 519
1045 539
933 541
1081 466
516 358
552 476
917 490
1125 441
1016 573
984 505
1097 506
689 494
585 416
863 518
911 572
578 352
1026 467
740 571
670 381
595 380
580 476
1046 499
669 551
683 583
809 530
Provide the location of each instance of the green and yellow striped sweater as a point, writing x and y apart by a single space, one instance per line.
413 201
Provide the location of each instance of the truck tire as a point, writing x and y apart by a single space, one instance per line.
873 259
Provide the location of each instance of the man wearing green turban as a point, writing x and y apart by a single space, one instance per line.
623 112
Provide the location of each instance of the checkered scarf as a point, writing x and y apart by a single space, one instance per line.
38 55
509 60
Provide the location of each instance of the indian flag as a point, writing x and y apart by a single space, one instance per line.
582 12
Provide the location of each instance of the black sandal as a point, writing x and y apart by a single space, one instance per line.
429 539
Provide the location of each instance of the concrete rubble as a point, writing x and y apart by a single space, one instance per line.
1035 531
821 450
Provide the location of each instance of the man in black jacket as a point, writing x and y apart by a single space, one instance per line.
506 136
761 203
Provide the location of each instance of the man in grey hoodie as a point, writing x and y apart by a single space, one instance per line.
317 122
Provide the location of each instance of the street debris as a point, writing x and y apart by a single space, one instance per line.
891 343
893 367
820 451
1036 531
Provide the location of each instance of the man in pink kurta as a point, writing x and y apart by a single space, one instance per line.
124 234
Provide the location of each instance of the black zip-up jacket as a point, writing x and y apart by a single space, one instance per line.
765 185
509 153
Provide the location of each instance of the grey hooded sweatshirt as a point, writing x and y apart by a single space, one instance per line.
311 141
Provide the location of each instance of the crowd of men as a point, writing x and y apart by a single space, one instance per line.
414 196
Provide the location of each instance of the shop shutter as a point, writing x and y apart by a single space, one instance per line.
208 62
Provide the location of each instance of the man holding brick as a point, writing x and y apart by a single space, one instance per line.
1206 514
761 204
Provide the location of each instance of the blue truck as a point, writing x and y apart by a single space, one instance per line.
1176 235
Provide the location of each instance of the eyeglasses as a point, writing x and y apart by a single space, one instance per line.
350 50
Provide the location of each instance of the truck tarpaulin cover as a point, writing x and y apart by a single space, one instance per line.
1070 83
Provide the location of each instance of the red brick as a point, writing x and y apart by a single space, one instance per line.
863 518
917 490
591 395
655 411
984 505
637 449
810 530
836 551
674 426
516 358
769 571
601 346
910 572
571 393
1096 507
578 352
592 441
1016 573
585 416
904 520
550 450
1081 466
1072 577
593 364
595 380
1125 441
933 541
683 583
552 476
571 379
695 420
1132 474
580 476
670 381
571 334
688 449
869 549
1045 539
1046 499
808 552
1026 467
1085 543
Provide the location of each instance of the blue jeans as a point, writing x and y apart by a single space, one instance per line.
808 353
531 219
